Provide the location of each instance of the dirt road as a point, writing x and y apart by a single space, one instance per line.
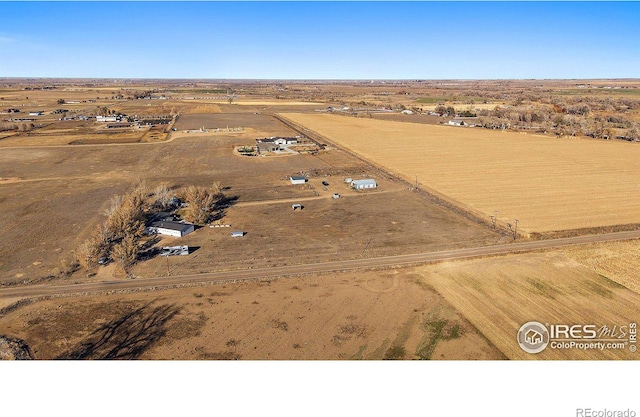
263 273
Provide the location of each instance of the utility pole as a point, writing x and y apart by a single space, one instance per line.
515 232
365 248
168 269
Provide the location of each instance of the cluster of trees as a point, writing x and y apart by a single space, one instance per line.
120 236
20 127
202 202
565 119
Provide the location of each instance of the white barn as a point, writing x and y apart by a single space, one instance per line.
364 184
170 228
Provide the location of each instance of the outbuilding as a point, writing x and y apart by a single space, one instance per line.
174 251
364 184
297 179
237 234
171 228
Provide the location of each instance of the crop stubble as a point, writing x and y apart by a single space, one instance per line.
548 184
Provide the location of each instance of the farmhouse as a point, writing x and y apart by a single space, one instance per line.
297 179
170 228
267 147
363 184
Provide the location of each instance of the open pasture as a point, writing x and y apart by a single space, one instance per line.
356 315
548 184
264 123
45 186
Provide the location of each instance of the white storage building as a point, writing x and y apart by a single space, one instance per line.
170 228
364 184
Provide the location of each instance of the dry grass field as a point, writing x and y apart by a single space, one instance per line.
365 315
259 122
618 261
498 295
389 222
548 184
56 194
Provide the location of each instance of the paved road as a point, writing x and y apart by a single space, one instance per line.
281 271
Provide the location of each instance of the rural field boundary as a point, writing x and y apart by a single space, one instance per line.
469 212
431 195
249 275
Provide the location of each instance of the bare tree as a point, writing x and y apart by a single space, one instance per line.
162 196
114 204
128 217
201 201
126 252
95 247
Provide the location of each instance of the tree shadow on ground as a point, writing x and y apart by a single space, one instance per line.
126 337
221 206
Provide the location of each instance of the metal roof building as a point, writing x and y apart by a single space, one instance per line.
171 228
363 184
297 179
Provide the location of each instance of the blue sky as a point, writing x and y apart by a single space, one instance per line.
320 40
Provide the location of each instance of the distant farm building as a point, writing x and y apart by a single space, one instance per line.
364 184
107 119
456 122
296 207
154 122
36 113
297 179
237 234
118 125
170 228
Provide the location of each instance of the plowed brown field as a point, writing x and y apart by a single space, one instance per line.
548 184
